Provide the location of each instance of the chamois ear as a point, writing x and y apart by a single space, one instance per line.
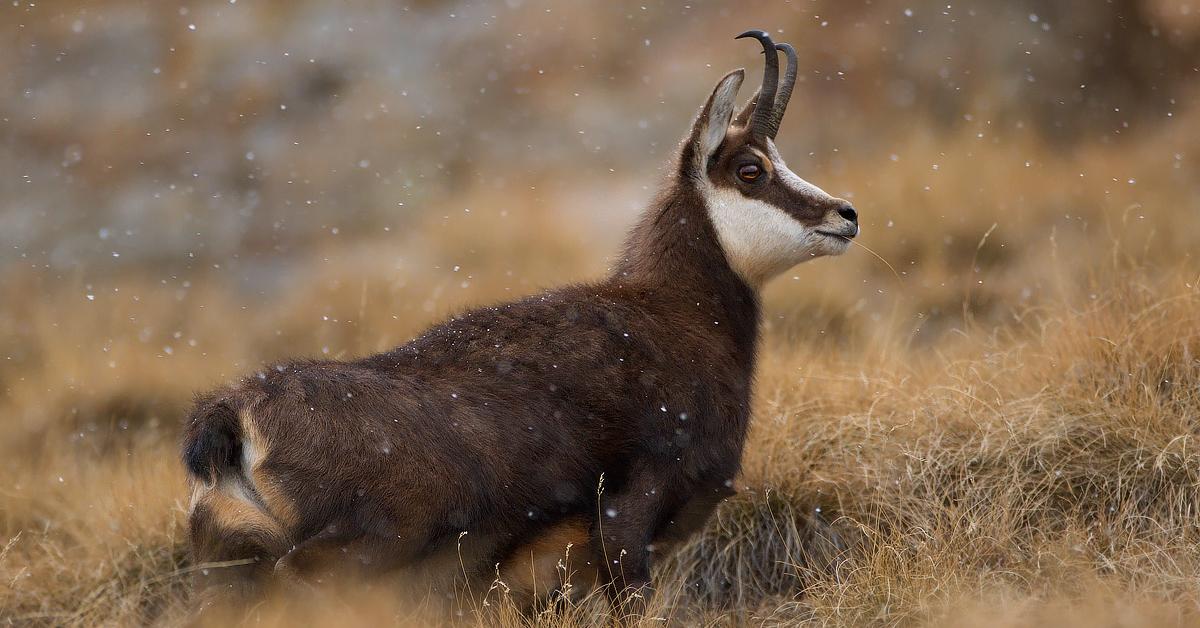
713 122
743 116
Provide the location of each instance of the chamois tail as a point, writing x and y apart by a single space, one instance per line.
212 441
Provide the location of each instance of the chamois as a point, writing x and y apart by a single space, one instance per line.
612 414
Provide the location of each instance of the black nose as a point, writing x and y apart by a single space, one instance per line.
847 212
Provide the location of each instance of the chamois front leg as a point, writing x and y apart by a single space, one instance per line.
625 525
690 518
341 550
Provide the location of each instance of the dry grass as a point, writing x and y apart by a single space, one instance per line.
1004 434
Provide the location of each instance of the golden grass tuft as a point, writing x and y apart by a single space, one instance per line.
1048 469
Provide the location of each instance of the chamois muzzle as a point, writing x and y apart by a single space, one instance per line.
773 97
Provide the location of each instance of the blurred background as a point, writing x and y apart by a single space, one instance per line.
176 134
190 189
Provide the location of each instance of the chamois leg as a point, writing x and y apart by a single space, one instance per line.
234 545
625 526
340 550
688 519
543 573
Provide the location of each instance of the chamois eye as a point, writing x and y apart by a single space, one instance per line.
749 172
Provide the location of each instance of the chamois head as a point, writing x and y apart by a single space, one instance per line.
766 218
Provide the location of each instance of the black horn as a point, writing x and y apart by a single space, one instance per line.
760 122
785 90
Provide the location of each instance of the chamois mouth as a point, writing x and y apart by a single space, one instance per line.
834 234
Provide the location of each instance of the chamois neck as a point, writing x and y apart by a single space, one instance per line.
672 244
673 250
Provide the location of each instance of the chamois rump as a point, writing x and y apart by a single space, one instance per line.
489 436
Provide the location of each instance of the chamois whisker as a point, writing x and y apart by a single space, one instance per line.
876 255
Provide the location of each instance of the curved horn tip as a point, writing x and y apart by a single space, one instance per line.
754 33
789 52
760 35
